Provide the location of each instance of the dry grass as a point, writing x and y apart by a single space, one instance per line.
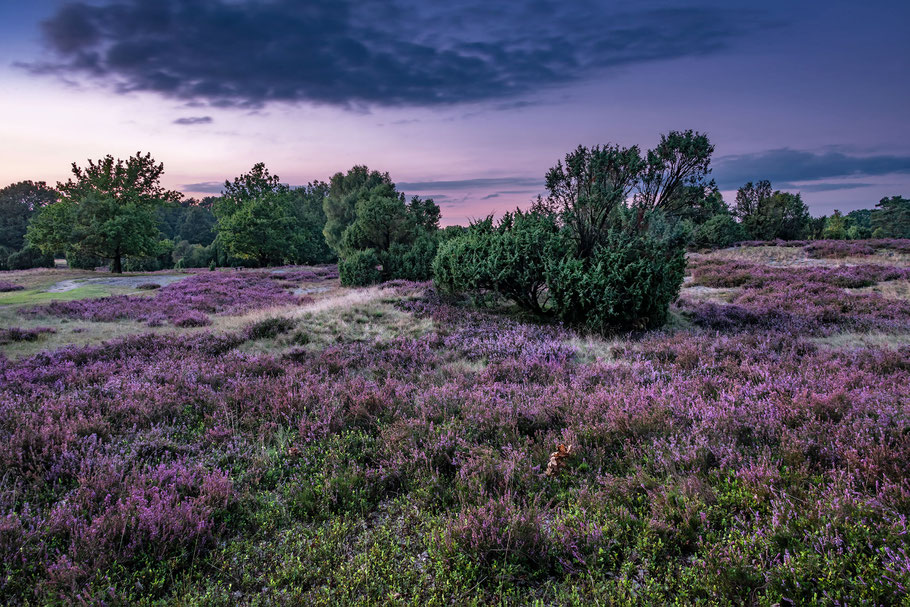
710 294
796 256
892 289
863 340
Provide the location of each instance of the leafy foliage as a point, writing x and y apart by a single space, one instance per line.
18 203
721 230
29 257
344 190
587 254
360 268
891 218
402 237
512 259
263 220
628 282
107 210
767 215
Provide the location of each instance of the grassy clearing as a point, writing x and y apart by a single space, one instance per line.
892 289
796 256
41 278
32 296
849 340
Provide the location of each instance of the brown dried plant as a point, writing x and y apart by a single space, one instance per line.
558 459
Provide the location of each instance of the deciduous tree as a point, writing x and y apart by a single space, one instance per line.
107 210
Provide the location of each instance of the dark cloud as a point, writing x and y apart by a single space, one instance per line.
786 166
189 120
362 53
205 187
472 184
822 187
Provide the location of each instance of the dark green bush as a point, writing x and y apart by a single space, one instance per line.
412 261
162 260
29 257
511 259
360 268
5 252
720 231
628 283
269 328
80 261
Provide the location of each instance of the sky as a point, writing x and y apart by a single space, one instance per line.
467 101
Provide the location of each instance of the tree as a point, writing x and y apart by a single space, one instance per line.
589 188
18 203
382 219
261 229
718 232
859 224
674 171
425 213
262 219
749 197
255 216
835 227
403 237
107 210
590 254
891 218
345 189
310 213
767 216
197 225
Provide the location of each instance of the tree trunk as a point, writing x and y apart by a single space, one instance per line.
116 268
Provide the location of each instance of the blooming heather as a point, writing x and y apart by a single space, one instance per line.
749 466
230 292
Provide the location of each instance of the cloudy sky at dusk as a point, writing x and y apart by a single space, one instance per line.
468 101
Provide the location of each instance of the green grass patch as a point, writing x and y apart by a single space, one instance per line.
36 297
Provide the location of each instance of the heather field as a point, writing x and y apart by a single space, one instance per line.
267 437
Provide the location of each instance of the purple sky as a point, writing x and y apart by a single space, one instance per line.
470 103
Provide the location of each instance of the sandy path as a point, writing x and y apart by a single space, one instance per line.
130 282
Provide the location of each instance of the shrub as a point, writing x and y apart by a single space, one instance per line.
162 260
511 259
80 261
410 261
6 287
192 318
269 328
627 283
718 232
29 257
148 286
16 334
360 268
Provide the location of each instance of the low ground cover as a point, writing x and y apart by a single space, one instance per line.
389 445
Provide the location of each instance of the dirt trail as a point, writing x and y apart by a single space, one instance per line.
130 282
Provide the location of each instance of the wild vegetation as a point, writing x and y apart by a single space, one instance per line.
392 445
592 401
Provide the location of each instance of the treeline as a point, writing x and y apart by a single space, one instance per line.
116 212
604 248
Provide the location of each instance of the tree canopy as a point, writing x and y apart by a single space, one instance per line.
768 215
345 189
18 203
107 210
891 218
262 219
